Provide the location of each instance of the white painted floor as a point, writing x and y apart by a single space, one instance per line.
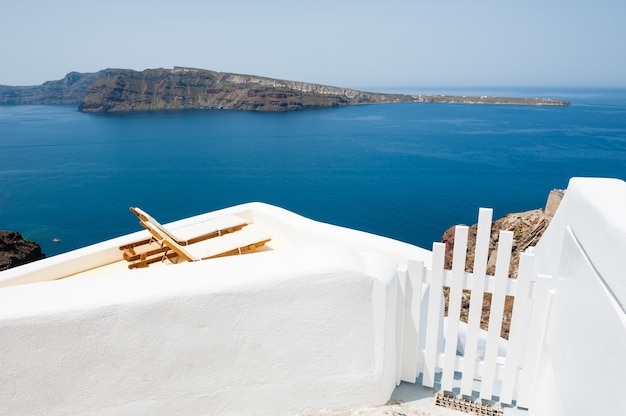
420 397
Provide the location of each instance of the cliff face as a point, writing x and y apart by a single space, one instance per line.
185 88
69 90
15 250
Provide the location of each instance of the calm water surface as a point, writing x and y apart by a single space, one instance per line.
407 171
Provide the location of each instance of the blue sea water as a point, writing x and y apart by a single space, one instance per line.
407 171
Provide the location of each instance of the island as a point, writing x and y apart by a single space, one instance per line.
122 90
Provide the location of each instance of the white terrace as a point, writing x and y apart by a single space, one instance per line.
323 317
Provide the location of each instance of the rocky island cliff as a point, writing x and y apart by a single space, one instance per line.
69 90
186 88
15 250
114 90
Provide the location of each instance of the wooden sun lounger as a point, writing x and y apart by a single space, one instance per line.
142 249
148 248
246 240
145 259
196 232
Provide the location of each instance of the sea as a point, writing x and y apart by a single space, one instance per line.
408 171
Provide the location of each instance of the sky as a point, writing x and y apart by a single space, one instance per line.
347 43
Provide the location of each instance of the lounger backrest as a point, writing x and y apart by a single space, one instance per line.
145 217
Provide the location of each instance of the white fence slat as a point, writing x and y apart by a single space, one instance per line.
476 300
401 307
434 315
454 306
505 243
468 282
518 325
538 323
482 241
511 288
412 317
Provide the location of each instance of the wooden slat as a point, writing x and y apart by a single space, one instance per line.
434 315
505 243
412 316
454 306
534 343
141 252
518 326
136 243
476 301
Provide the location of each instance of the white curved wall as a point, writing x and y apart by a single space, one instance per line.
281 332
595 210
585 249
286 228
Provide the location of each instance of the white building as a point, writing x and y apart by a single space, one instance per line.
321 317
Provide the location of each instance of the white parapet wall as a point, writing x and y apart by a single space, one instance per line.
584 248
275 333
286 228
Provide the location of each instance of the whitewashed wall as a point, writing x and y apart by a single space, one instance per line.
275 333
286 228
584 362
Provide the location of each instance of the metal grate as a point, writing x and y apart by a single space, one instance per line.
467 406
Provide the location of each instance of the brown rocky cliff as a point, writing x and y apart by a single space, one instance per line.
187 88
527 227
69 90
15 250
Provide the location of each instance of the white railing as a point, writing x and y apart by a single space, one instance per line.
461 358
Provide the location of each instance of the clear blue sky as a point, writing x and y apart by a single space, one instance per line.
347 43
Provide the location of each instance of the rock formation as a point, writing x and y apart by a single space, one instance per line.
188 88
15 250
527 227
69 90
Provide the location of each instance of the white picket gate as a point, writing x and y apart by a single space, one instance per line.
428 347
